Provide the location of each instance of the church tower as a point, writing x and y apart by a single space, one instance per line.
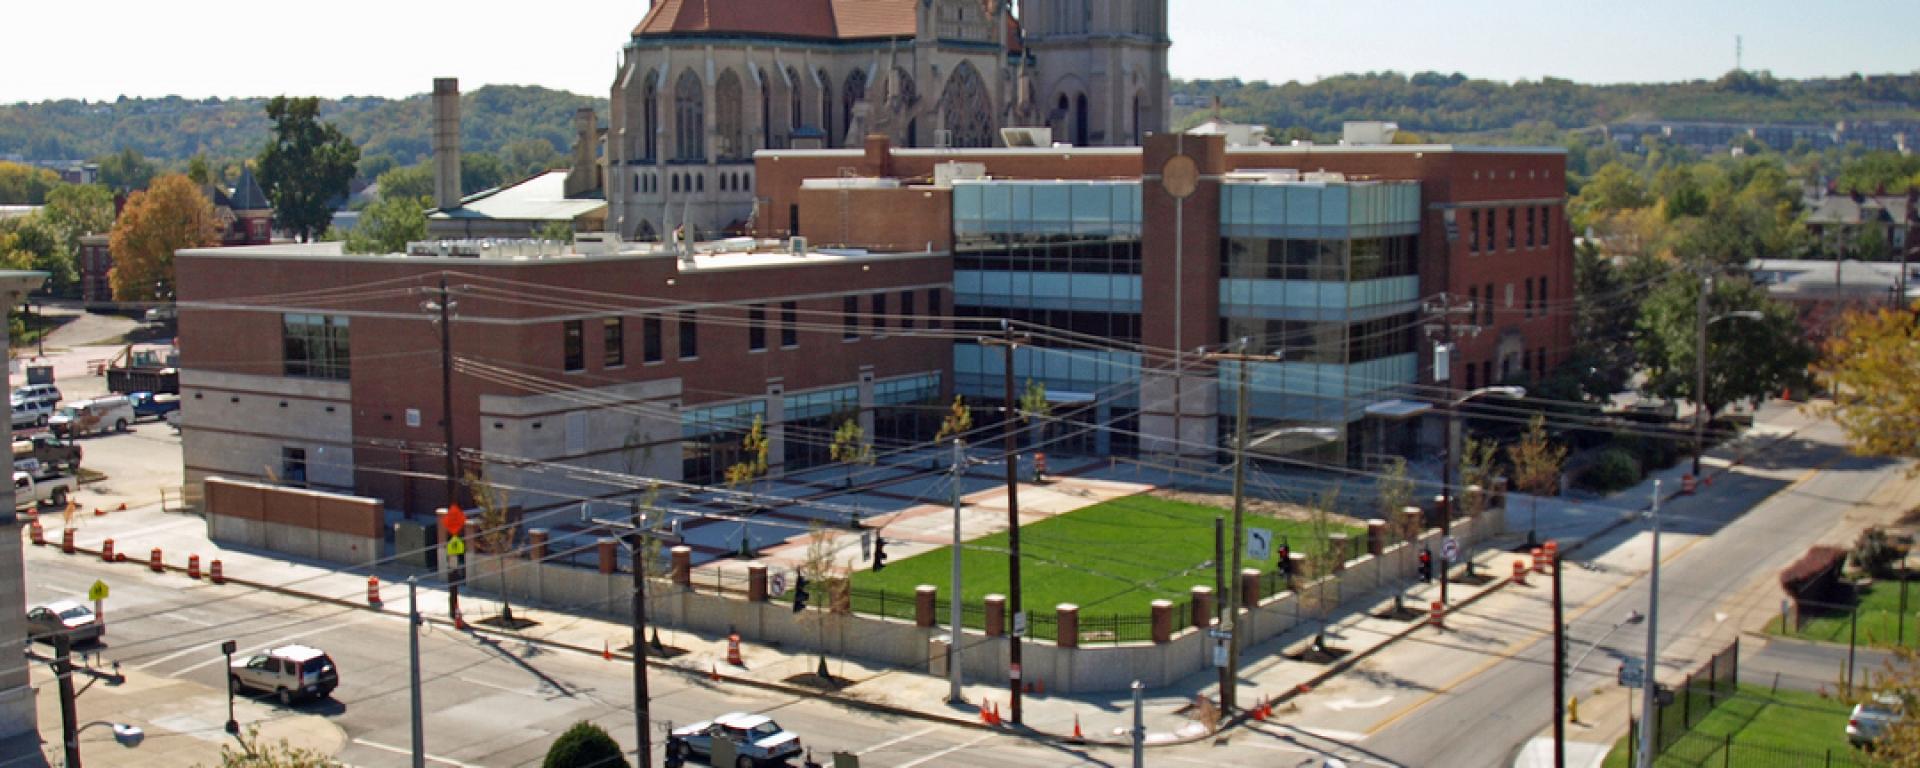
1101 68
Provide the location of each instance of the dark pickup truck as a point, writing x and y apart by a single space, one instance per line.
51 452
147 405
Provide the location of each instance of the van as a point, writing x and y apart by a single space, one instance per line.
88 417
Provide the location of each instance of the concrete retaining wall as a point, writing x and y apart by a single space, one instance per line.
295 521
901 643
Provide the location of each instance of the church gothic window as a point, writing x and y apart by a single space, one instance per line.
966 109
729 118
852 95
689 119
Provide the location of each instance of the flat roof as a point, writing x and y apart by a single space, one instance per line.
715 256
1283 149
542 197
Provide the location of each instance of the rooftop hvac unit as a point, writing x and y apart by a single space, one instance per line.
1027 137
945 174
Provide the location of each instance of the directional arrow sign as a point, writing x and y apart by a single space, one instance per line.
456 546
98 591
1259 544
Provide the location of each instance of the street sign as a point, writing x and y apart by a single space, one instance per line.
1633 673
229 647
1219 641
98 591
1020 624
1013 672
1259 544
456 546
455 520
1451 550
778 584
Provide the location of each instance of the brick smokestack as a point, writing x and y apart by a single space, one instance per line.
446 142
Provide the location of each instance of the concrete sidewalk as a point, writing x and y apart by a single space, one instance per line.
1268 673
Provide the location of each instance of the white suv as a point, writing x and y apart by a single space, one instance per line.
289 672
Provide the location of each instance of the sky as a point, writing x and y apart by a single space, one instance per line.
102 49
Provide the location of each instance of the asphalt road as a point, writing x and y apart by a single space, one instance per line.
1810 666
1486 720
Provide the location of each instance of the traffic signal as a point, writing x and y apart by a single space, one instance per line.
879 553
1426 565
799 593
1286 561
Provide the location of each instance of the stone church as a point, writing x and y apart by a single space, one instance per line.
704 83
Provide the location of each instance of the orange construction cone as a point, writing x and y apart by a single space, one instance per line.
606 652
1077 735
985 716
1039 687
715 674
996 713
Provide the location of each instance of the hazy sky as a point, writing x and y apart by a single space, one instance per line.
105 48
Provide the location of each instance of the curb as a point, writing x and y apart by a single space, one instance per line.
1630 517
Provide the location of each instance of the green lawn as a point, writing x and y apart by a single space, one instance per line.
1110 558
1765 728
1879 612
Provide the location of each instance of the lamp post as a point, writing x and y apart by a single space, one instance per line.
1446 467
1700 366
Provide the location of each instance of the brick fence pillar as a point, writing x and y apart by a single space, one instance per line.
1439 511
996 610
683 566
1412 518
1162 622
1342 547
1202 606
537 544
1249 588
757 582
1299 571
1377 533
1067 620
609 552
925 597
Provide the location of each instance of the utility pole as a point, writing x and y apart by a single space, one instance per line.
444 306
1139 726
642 699
69 715
1443 375
1559 671
1010 444
953 598
1220 592
1649 698
1700 372
413 673
1229 693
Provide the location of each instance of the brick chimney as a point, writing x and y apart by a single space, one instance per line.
446 142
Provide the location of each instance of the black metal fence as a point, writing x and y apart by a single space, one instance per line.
1714 682
1710 686
1699 750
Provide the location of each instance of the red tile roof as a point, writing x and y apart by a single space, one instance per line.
820 19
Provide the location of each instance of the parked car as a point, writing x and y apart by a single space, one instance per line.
1870 719
757 739
87 417
50 451
162 314
147 405
289 672
38 393
69 617
31 413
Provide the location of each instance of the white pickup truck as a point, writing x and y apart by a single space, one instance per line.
44 491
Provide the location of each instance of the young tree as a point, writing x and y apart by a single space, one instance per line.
412 182
1034 408
388 225
821 570
169 215
1870 366
496 531
959 420
558 231
306 167
254 753
1322 560
1476 470
1746 358
585 745
850 447
1536 469
1395 490
753 464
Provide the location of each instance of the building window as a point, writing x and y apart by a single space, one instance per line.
906 309
1529 304
789 322
1486 309
1542 293
650 346
850 318
1546 226
293 466
1473 233
933 307
614 333
1473 381
689 334
1493 243
574 345
1511 216
689 119
757 327
1473 300
879 314
316 346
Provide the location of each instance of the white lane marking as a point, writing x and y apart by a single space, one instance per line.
250 650
200 648
405 751
1342 705
893 741
945 752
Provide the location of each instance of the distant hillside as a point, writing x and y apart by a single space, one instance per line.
1438 104
174 129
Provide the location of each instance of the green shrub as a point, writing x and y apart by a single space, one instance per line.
584 745
1874 553
1612 470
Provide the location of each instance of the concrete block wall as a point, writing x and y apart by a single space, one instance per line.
296 521
901 643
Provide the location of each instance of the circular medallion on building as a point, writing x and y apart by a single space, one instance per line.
1180 177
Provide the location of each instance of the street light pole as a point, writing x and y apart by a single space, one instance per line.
1229 693
413 674
1446 472
1700 372
1649 695
953 598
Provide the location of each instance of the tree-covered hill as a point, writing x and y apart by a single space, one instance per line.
1441 104
173 129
